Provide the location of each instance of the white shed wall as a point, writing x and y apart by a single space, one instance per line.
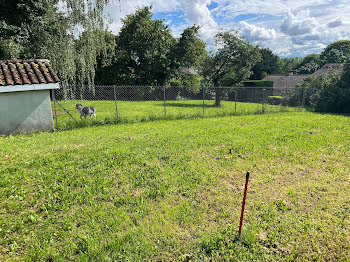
25 112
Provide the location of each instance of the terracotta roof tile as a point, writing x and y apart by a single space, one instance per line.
31 74
45 73
7 74
2 78
38 73
24 72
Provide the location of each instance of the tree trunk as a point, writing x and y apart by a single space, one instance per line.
218 96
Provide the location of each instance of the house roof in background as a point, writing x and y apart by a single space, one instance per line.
286 82
283 82
26 72
328 68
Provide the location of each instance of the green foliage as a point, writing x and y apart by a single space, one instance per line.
10 49
147 54
258 83
188 53
274 100
336 52
322 93
310 64
345 79
71 37
143 49
231 63
267 66
286 65
189 50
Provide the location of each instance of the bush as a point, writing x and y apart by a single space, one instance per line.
324 93
274 100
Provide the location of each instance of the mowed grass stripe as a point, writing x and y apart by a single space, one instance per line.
170 190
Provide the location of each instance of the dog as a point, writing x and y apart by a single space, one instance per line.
86 111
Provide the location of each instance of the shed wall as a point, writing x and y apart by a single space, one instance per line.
25 112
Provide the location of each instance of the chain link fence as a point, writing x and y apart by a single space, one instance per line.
115 104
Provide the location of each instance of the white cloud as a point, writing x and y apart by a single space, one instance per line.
196 12
337 22
117 10
255 33
298 24
288 27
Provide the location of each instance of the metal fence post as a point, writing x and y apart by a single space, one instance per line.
115 99
263 100
203 100
164 101
54 104
236 100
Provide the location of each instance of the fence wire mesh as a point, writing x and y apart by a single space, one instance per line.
143 103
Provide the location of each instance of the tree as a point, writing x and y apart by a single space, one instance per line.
143 49
286 65
267 66
147 54
231 63
337 52
189 50
188 53
310 64
345 79
70 37
323 93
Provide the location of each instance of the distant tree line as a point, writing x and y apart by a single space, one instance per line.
73 35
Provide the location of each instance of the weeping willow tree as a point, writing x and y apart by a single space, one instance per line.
70 33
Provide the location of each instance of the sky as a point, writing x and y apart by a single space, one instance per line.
288 27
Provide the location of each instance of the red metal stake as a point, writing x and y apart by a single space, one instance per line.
243 203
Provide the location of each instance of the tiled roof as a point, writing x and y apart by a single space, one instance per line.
26 72
283 82
327 68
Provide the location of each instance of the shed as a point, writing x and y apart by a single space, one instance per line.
25 104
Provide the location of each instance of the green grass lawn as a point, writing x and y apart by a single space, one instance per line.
131 111
170 190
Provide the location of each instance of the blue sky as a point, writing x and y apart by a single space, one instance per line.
288 27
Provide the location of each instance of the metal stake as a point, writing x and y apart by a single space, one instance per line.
164 101
66 110
263 100
203 100
243 203
115 99
236 100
